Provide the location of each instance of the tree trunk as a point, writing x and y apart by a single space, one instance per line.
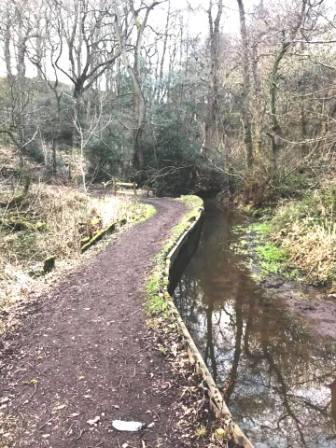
256 111
164 51
212 134
245 110
20 84
287 42
7 43
275 126
139 107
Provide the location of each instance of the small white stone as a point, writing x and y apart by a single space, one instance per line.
121 425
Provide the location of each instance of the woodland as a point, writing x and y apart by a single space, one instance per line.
130 89
231 98
233 101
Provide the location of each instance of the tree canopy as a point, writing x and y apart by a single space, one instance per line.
133 89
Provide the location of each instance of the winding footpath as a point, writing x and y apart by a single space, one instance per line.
84 356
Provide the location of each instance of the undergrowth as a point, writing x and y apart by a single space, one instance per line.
262 255
51 221
306 230
301 234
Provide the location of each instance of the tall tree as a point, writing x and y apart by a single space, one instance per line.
212 137
288 37
139 21
246 106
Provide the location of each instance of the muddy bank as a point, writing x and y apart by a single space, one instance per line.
317 309
315 306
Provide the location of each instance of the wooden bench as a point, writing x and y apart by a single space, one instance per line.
116 185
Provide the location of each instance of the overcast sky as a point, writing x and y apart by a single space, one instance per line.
195 13
198 21
195 17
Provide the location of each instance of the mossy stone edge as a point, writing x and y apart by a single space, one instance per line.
166 258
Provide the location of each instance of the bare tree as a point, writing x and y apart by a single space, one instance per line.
139 21
245 107
44 55
212 132
86 35
287 41
16 117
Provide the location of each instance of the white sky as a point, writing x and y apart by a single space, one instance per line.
195 13
198 21
196 17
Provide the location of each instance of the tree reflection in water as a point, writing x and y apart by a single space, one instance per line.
278 381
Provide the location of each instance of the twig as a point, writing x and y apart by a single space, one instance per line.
81 432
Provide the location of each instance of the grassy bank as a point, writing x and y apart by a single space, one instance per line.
52 223
299 237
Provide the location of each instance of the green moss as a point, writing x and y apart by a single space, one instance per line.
192 202
141 212
262 256
272 258
155 306
297 238
262 228
155 303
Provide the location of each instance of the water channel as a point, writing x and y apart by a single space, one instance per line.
278 381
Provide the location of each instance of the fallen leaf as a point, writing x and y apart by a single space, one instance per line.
60 407
94 421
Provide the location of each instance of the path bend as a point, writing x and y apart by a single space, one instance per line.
85 353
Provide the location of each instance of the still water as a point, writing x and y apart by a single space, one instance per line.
278 381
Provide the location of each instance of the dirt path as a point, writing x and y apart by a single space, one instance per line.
85 353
